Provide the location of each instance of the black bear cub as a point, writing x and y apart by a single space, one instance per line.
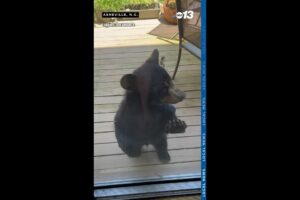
146 115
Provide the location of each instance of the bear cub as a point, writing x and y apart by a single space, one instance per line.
146 116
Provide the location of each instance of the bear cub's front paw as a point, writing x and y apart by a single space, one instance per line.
175 126
164 156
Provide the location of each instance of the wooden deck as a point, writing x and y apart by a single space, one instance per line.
120 50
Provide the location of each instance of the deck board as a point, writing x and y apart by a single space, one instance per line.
140 172
148 158
118 51
109 137
107 117
173 143
112 107
108 126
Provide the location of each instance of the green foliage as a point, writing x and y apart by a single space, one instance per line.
118 5
172 5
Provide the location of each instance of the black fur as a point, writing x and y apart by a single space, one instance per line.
145 115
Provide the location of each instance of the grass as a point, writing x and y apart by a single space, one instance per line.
118 5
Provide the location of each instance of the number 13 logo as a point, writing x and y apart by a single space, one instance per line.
185 15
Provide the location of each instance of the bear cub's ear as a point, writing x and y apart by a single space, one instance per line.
154 58
128 82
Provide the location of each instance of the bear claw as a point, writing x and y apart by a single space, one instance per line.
175 126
